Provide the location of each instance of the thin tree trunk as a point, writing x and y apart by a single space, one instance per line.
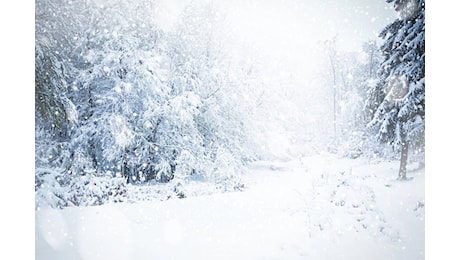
92 145
403 163
334 88
124 165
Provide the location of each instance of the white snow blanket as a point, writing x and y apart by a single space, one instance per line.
318 207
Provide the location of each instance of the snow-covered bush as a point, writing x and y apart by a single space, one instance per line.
57 188
226 170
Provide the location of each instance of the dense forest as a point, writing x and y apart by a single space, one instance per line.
121 100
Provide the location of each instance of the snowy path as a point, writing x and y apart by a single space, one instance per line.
316 208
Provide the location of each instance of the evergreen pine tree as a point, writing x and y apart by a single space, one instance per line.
400 117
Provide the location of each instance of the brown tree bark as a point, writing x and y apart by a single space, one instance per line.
403 162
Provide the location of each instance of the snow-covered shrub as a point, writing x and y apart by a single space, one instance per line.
163 171
90 190
226 170
58 188
186 164
48 189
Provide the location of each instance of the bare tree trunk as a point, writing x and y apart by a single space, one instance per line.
403 163
124 165
332 52
92 145
335 98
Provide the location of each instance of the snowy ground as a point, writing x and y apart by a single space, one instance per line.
316 207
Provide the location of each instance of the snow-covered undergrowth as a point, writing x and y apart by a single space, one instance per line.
318 207
56 189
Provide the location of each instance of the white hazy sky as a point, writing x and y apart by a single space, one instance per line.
310 20
292 30
296 21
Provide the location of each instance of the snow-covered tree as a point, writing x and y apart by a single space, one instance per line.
54 111
373 87
347 76
135 101
400 117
